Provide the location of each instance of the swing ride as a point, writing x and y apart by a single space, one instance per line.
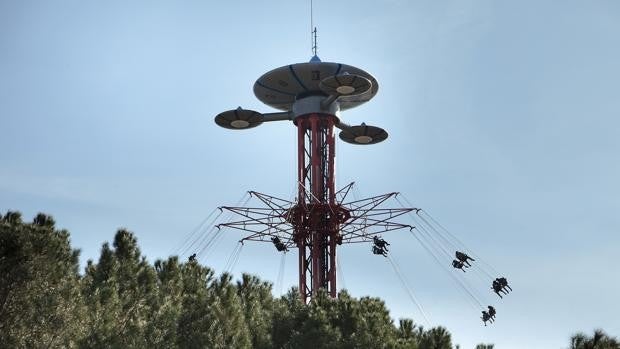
320 219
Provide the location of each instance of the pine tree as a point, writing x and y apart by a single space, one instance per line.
436 338
121 295
599 340
39 294
257 303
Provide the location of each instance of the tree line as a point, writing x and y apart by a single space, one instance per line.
123 301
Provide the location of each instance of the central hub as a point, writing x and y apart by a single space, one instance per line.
282 87
314 105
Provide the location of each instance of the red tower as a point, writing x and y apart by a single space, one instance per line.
312 95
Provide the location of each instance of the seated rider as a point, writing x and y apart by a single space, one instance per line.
279 245
503 284
485 317
458 265
492 312
378 250
497 288
379 242
502 281
192 258
463 257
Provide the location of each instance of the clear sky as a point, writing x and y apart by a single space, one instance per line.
503 119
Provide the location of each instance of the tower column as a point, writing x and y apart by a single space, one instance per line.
312 95
333 224
316 227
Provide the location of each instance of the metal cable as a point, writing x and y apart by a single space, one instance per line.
280 279
461 243
457 244
217 237
458 281
409 291
193 232
232 257
340 273
201 235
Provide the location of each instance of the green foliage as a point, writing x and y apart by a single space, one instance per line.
121 295
123 301
436 338
599 340
485 346
40 304
409 334
257 303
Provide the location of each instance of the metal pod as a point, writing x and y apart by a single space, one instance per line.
363 134
345 85
239 119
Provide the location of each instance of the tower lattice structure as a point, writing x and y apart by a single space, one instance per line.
320 218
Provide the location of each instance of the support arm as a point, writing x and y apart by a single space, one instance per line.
286 115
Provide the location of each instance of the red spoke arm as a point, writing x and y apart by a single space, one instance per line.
356 238
373 203
273 202
345 191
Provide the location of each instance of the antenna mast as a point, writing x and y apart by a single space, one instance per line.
312 30
314 43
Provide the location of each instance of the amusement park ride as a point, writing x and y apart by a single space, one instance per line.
312 95
321 218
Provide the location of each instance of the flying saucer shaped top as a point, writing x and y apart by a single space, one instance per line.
239 119
345 85
363 134
281 87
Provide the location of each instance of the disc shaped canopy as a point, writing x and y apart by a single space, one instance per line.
239 119
363 134
281 87
345 85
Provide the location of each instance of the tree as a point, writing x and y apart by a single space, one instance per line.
257 303
343 322
122 301
121 295
288 316
212 314
600 340
229 329
195 314
436 338
409 334
375 328
161 331
316 330
100 293
40 304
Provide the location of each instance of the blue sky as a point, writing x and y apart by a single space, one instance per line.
503 122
